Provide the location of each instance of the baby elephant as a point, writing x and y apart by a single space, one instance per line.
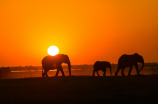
101 65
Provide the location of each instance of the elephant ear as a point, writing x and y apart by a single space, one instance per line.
137 57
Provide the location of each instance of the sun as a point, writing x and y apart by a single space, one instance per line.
53 50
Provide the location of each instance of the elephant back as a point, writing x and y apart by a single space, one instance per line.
128 60
101 64
57 59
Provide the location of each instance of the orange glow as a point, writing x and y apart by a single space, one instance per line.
85 30
53 50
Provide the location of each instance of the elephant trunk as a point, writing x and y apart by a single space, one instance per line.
69 68
142 66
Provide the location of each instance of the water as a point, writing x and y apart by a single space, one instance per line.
37 70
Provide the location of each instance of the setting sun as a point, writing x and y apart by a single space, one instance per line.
53 50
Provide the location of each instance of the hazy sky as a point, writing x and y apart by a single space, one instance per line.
85 30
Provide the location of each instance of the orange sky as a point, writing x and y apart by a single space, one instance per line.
85 30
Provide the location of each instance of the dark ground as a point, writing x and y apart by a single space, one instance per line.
80 90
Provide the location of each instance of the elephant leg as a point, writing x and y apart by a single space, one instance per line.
136 66
93 72
43 74
129 73
123 71
104 74
59 68
118 68
62 72
46 73
97 73
57 72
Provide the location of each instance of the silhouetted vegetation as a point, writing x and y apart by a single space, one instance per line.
5 72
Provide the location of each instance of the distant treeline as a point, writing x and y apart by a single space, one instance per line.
82 67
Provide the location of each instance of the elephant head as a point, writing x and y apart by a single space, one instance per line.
65 59
139 59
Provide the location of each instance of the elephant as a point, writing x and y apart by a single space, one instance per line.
101 65
130 61
54 62
5 72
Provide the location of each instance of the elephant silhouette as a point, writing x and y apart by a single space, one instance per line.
101 65
5 72
54 62
130 61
